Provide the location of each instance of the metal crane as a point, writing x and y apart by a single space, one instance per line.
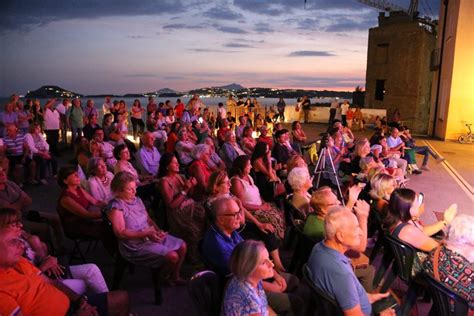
392 7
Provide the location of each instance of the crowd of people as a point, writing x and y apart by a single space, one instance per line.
209 191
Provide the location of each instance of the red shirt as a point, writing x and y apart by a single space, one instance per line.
179 110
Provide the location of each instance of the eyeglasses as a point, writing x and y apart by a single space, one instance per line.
233 215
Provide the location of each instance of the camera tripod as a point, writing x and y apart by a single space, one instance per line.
320 169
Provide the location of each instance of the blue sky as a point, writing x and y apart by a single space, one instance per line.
123 46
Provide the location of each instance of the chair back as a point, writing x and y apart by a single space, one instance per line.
446 302
404 255
303 248
205 289
323 304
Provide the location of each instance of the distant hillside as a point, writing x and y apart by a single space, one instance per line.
52 92
232 86
165 92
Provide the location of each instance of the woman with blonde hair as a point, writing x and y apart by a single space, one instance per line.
382 185
244 294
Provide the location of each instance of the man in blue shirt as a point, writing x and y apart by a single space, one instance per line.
331 270
221 239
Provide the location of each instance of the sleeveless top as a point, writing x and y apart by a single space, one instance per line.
251 194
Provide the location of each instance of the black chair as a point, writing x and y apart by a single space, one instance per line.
446 302
304 246
206 290
403 258
77 253
322 304
121 265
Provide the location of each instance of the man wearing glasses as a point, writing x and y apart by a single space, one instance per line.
221 239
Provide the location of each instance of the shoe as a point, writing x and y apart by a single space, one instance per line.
426 168
43 181
440 159
417 172
33 182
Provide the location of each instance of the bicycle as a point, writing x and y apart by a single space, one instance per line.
466 138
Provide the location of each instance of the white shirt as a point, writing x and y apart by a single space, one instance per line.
61 109
393 142
344 108
222 112
106 107
51 120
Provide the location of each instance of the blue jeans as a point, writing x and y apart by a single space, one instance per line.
76 132
426 152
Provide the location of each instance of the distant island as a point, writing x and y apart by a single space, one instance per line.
222 91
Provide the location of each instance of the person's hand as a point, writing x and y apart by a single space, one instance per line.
362 209
279 281
85 309
388 312
354 192
374 297
266 228
450 213
266 207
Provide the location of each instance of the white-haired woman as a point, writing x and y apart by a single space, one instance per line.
455 259
200 170
300 182
99 179
244 294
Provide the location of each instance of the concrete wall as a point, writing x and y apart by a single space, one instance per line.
404 64
455 105
321 114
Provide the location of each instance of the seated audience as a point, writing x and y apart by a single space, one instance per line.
230 149
16 149
184 147
299 136
390 160
221 239
247 141
219 186
170 145
90 127
332 272
12 196
245 189
222 132
333 158
402 221
106 148
382 185
79 278
80 212
186 217
264 137
148 156
300 183
141 241
39 152
423 150
244 294
266 178
454 259
26 291
396 148
282 150
200 170
99 180
215 162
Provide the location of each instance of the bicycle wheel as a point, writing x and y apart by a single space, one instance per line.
463 139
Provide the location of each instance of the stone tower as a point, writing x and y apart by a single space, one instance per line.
398 69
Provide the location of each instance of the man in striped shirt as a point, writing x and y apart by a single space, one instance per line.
16 150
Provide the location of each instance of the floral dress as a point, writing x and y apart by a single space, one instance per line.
241 298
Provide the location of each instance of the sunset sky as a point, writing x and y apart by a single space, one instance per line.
106 46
